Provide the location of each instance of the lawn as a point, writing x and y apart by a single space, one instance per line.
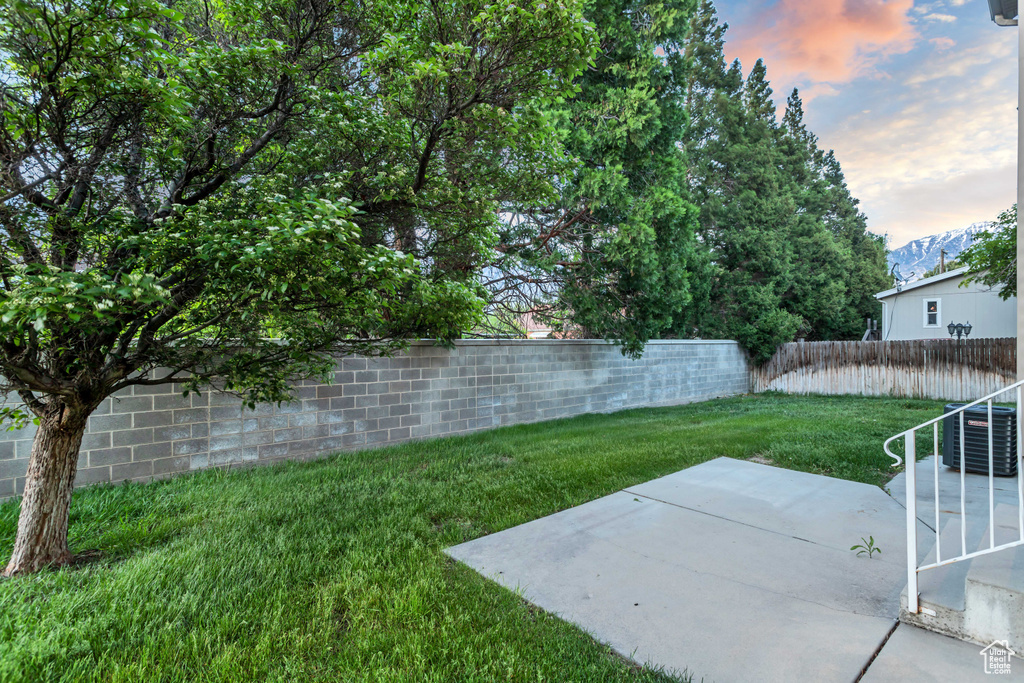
332 570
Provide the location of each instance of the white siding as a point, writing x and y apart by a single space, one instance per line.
904 313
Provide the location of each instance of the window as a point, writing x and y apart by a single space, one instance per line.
932 312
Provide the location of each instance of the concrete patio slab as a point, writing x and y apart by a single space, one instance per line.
976 490
756 584
830 512
913 655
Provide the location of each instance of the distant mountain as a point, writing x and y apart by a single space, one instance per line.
922 255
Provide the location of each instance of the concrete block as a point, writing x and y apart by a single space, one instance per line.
355 389
10 469
131 470
342 403
226 412
257 438
172 433
190 415
132 437
275 422
89 442
191 446
152 451
377 413
225 442
106 423
225 457
370 401
152 418
315 432
135 404
92 475
274 450
110 456
226 427
339 428
290 434
171 402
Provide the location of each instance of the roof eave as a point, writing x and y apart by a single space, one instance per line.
923 283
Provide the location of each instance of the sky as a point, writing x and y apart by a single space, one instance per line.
918 100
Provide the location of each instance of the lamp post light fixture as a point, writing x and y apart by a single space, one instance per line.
959 329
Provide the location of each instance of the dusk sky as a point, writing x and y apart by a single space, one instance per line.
918 99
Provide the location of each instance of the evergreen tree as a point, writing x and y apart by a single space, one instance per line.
613 250
736 181
869 270
819 282
786 248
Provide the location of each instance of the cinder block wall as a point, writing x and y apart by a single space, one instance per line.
153 432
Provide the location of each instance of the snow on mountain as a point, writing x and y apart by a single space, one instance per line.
921 255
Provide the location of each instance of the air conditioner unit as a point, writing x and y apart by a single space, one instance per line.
1004 439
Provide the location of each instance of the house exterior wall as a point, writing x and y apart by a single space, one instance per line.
903 315
155 432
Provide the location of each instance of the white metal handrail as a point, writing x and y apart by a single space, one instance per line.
910 452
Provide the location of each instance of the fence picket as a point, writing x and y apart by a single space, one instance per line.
919 368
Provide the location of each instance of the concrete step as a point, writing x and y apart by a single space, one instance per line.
941 595
978 600
994 589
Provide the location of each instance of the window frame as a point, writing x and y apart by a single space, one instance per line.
938 312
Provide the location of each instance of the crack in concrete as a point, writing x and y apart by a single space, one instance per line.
833 608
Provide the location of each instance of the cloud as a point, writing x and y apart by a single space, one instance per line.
985 58
939 153
817 90
928 208
945 18
826 41
942 43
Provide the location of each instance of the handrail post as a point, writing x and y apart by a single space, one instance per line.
910 458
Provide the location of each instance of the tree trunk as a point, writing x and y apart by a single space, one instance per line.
42 538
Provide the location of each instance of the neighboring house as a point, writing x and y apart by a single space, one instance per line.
923 309
535 329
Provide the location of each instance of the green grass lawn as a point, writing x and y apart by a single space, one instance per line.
333 570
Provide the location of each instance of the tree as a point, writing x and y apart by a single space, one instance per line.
952 264
788 252
820 294
735 177
868 270
608 256
177 195
992 257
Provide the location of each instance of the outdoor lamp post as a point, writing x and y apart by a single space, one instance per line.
1004 13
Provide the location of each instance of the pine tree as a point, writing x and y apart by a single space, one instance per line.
869 270
736 181
616 245
819 286
786 248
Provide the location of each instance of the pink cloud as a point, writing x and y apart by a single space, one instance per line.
831 41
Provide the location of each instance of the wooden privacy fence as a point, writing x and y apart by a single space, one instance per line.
920 368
